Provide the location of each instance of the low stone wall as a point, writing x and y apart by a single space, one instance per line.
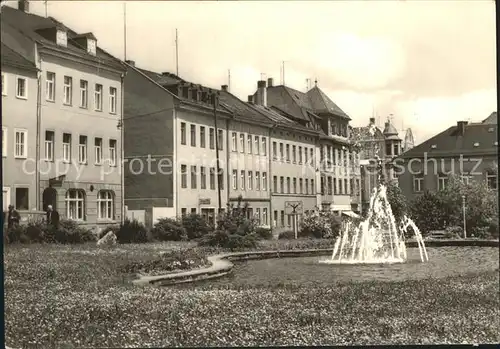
222 264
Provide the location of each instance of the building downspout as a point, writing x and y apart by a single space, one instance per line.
122 155
269 180
38 127
228 154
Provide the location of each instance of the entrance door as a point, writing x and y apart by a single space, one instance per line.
49 198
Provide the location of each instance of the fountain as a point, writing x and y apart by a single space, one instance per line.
377 239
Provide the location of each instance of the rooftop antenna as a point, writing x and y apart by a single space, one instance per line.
262 75
46 11
176 52
308 81
283 73
316 82
229 79
124 30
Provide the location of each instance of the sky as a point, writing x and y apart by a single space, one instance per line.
428 63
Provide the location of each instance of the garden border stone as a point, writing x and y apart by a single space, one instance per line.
221 264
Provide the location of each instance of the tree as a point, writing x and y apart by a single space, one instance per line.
398 202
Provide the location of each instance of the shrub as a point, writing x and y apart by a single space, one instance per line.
17 234
35 232
287 234
70 232
236 241
132 231
321 224
195 226
427 212
481 232
264 233
169 229
493 229
454 232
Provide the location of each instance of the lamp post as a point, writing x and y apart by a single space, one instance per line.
463 210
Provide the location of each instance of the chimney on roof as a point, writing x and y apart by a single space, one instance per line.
129 62
24 5
224 88
372 121
270 82
461 127
250 98
261 93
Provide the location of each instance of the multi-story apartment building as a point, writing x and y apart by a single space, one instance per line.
19 127
372 142
468 150
172 123
315 111
79 95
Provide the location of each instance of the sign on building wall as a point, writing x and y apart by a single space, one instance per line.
293 207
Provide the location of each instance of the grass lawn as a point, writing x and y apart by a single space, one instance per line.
79 296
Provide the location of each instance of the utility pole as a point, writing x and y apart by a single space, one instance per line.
215 102
463 208
176 52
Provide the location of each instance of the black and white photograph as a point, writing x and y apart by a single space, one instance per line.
249 173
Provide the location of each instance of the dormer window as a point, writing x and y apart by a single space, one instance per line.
476 144
91 46
62 38
433 146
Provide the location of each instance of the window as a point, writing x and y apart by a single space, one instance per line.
312 154
288 153
307 185
288 185
264 146
294 154
98 150
329 185
82 150
98 97
250 180
335 191
235 179
442 180
346 188
211 137
183 212
257 180
105 207
275 151
256 145
66 147
220 140
68 90
491 179
264 216
49 145
282 218
4 85
249 144
282 154
242 142
257 215
183 176
112 100
220 178
62 38
75 204
233 142
212 178
50 87
301 186
300 155
22 199
202 137
242 180
275 220
282 184
193 177
21 88
21 144
323 191
193 210
295 185
183 133
275 183
418 182
313 190
84 94
203 178
4 141
193 135
112 152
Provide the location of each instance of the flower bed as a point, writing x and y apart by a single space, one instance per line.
69 297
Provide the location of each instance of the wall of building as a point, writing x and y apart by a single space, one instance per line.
148 138
73 119
430 170
19 114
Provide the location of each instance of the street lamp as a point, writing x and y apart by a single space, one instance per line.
463 209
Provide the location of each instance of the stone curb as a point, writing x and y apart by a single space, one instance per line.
221 264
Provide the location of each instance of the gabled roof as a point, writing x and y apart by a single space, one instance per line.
321 103
492 119
477 139
28 24
242 110
278 119
14 59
